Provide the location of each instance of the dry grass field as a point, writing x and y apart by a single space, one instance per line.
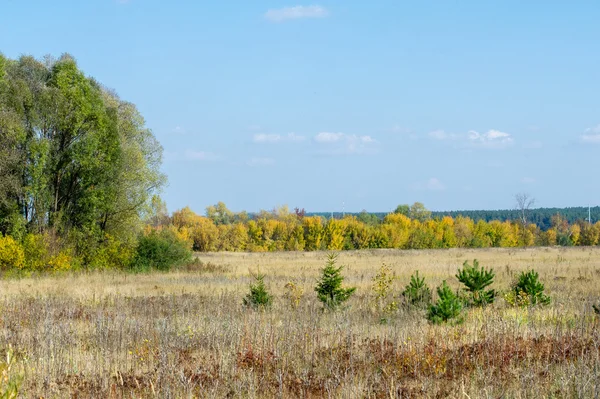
187 334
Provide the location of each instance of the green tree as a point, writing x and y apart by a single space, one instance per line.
529 290
447 308
258 297
417 293
73 157
419 212
219 213
403 209
329 287
476 280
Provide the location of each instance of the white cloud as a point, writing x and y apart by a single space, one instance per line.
443 135
341 143
277 138
327 137
433 184
297 12
192 155
490 139
260 162
591 135
528 180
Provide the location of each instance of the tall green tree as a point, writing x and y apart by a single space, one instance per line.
74 158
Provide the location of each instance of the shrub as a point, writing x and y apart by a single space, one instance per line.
112 253
160 250
382 288
36 252
417 293
258 297
294 293
329 287
528 290
447 308
476 280
12 254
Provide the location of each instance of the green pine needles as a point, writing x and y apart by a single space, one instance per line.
447 308
329 287
528 290
258 297
476 280
417 293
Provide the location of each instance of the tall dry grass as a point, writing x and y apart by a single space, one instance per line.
187 334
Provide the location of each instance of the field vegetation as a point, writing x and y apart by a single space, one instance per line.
190 332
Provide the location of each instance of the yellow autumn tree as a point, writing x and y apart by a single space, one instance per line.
334 235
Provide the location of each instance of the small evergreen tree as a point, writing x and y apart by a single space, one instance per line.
417 293
476 280
447 307
258 297
529 290
329 287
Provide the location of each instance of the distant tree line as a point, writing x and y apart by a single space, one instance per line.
409 227
541 217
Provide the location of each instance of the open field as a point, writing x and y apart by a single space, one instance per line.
187 334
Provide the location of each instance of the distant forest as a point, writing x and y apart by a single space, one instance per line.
540 216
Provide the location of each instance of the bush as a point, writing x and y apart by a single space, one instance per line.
329 287
160 250
528 290
382 288
417 293
258 296
447 308
36 252
476 280
294 293
12 255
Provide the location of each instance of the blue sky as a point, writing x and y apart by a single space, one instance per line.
459 105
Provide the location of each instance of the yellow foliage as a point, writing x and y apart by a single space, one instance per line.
113 253
575 232
205 235
11 254
334 234
60 262
36 252
294 293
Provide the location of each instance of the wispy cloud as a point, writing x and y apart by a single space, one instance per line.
591 135
490 139
192 155
277 138
260 162
342 143
297 12
528 180
443 135
433 184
